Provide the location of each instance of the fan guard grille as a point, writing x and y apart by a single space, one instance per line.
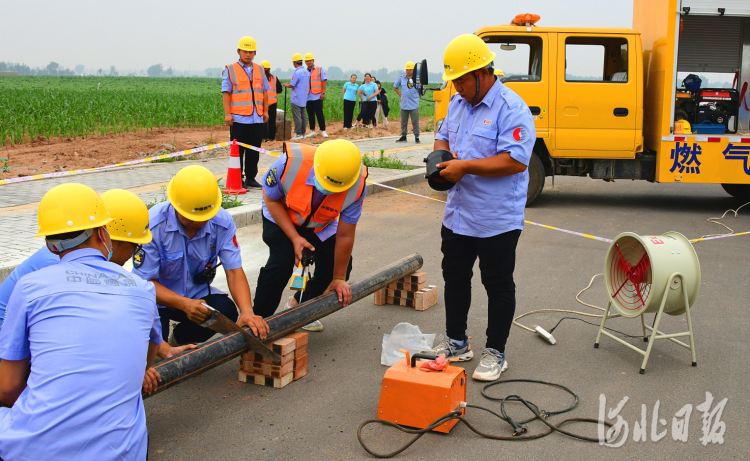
630 275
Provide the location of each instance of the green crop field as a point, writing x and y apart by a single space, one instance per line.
35 106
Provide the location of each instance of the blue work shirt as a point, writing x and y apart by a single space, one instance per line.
409 94
310 95
369 89
351 91
273 189
481 206
300 86
85 324
173 259
42 258
226 87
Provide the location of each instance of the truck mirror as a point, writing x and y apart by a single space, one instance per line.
423 77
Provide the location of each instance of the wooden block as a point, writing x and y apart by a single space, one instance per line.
300 362
284 358
421 301
407 286
300 336
416 277
300 373
300 352
380 296
284 346
278 383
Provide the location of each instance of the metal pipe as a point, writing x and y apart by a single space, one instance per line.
213 353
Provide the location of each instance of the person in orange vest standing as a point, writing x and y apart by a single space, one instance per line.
245 90
312 199
273 97
316 95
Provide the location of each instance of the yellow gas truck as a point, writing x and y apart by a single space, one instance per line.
617 103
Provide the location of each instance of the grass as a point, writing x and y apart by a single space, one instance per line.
385 161
42 106
227 201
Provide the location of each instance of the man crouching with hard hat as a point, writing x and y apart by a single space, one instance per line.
305 191
193 236
77 339
489 130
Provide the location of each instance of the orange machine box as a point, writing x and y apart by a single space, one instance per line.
416 398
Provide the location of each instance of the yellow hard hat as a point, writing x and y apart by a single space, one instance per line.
337 164
309 57
247 44
297 57
409 65
465 53
499 73
194 193
265 64
70 207
130 217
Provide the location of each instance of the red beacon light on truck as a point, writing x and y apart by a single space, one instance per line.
527 19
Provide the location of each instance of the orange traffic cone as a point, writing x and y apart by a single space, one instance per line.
234 175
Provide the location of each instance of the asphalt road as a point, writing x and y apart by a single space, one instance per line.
215 417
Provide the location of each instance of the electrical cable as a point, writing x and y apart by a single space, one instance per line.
518 427
716 220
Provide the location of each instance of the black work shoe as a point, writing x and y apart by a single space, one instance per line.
252 184
401 139
416 139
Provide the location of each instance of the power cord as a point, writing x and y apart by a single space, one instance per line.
716 220
519 427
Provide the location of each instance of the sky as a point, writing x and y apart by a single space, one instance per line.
195 35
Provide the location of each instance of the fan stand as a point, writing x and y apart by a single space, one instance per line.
655 333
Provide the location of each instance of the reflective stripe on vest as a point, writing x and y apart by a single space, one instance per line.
299 196
246 97
316 84
272 97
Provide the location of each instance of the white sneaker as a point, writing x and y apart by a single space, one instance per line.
297 137
325 135
490 366
311 135
354 125
314 326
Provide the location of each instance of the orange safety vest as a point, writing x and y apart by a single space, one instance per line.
299 196
245 97
316 84
272 97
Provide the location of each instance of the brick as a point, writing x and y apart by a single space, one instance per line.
300 336
421 301
277 383
402 301
284 346
245 377
300 362
284 358
274 371
300 373
380 297
300 352
407 286
417 277
402 294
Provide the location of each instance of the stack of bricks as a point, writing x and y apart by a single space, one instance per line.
409 291
254 368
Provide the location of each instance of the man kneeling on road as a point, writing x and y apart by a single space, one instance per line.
490 131
191 234
305 191
78 336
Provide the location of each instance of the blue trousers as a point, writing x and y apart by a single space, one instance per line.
187 332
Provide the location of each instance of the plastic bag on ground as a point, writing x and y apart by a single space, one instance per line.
404 336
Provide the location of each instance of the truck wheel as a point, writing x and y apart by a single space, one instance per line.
536 179
740 191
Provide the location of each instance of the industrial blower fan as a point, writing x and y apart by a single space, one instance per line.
651 274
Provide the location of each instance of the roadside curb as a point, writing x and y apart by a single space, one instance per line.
248 215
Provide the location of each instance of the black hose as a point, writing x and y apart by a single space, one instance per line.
518 428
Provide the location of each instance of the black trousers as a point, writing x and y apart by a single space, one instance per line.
368 112
274 276
271 125
252 134
187 332
348 112
315 109
497 261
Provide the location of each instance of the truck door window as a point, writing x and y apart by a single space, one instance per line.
520 58
596 59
